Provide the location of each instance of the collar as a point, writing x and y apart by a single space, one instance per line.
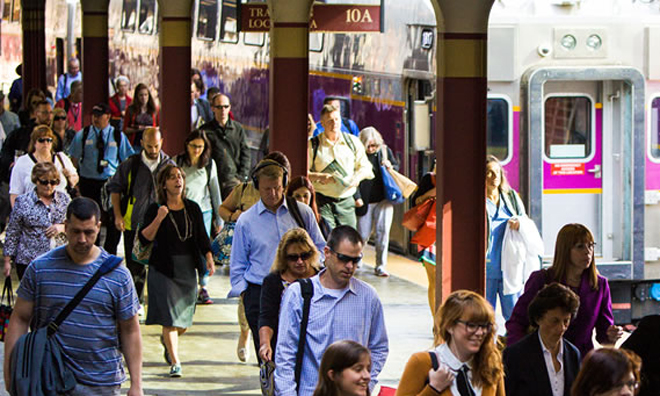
446 356
35 198
261 208
560 355
340 140
316 279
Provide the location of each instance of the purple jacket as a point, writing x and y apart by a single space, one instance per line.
595 312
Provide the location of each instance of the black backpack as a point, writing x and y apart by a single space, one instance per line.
116 135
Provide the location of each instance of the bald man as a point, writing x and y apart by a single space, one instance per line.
131 199
66 79
229 146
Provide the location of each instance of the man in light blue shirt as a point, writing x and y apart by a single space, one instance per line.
65 80
342 308
257 234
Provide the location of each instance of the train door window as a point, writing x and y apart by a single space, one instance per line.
499 128
316 42
147 16
654 130
129 15
16 11
229 22
254 38
207 19
568 127
6 9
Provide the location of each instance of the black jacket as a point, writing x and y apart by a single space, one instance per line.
525 370
372 190
230 151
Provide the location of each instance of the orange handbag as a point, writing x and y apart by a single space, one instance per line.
415 217
425 236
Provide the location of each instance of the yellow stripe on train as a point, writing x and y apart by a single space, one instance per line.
573 191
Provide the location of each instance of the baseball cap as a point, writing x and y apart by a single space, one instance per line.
100 109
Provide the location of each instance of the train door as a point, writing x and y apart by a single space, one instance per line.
584 135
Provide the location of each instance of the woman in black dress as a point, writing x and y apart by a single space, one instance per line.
175 225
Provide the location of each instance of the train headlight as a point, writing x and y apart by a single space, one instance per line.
594 42
568 42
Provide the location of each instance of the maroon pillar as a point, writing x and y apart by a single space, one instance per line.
94 54
34 45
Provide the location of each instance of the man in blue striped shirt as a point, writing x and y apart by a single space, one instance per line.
342 308
105 323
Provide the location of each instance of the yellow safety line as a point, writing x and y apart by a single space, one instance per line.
333 75
397 103
573 191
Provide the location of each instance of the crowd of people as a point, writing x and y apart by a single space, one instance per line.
292 243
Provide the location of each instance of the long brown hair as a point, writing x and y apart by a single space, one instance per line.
338 357
161 179
487 362
504 182
204 158
568 237
302 181
605 369
135 105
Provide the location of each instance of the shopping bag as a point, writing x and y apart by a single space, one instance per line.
415 217
407 186
390 188
141 253
425 236
6 308
221 246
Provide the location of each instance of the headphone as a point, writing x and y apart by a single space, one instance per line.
263 164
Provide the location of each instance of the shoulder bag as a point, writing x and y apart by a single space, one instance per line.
37 363
6 309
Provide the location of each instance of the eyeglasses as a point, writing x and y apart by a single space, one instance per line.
346 259
196 146
473 327
589 246
221 106
47 182
45 140
302 256
59 118
632 385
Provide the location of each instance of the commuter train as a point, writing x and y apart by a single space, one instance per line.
573 107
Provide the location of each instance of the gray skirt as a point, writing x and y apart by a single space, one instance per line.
171 301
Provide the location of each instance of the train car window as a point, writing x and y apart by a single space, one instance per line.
229 22
129 15
6 9
207 19
316 42
498 128
568 132
654 144
254 38
147 16
16 11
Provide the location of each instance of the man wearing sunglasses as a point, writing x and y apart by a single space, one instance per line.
342 308
228 145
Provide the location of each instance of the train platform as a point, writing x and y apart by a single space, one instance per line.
208 349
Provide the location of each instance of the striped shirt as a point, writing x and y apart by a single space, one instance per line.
354 313
89 335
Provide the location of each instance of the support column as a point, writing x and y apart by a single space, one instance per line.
289 80
94 54
33 21
461 145
175 64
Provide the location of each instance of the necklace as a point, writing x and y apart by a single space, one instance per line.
187 234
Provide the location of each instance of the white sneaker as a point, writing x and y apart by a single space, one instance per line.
141 310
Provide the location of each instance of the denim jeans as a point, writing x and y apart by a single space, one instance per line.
494 288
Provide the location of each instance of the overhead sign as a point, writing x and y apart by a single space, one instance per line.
325 18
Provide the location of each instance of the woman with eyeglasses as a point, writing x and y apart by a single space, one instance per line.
40 149
36 219
61 130
608 372
296 258
575 267
203 188
465 360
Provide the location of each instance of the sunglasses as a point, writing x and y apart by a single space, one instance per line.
302 256
45 140
346 259
47 182
59 118
221 107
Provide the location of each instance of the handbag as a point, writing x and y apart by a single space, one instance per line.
425 235
141 253
73 191
390 188
221 246
267 378
6 309
415 217
406 186
37 364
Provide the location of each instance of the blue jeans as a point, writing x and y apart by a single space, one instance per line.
494 288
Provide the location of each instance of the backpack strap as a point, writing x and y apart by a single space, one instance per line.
117 135
135 165
85 134
108 265
434 360
307 291
294 209
349 142
315 149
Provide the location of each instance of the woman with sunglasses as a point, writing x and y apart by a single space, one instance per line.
61 129
573 266
608 372
36 219
296 258
40 149
465 360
